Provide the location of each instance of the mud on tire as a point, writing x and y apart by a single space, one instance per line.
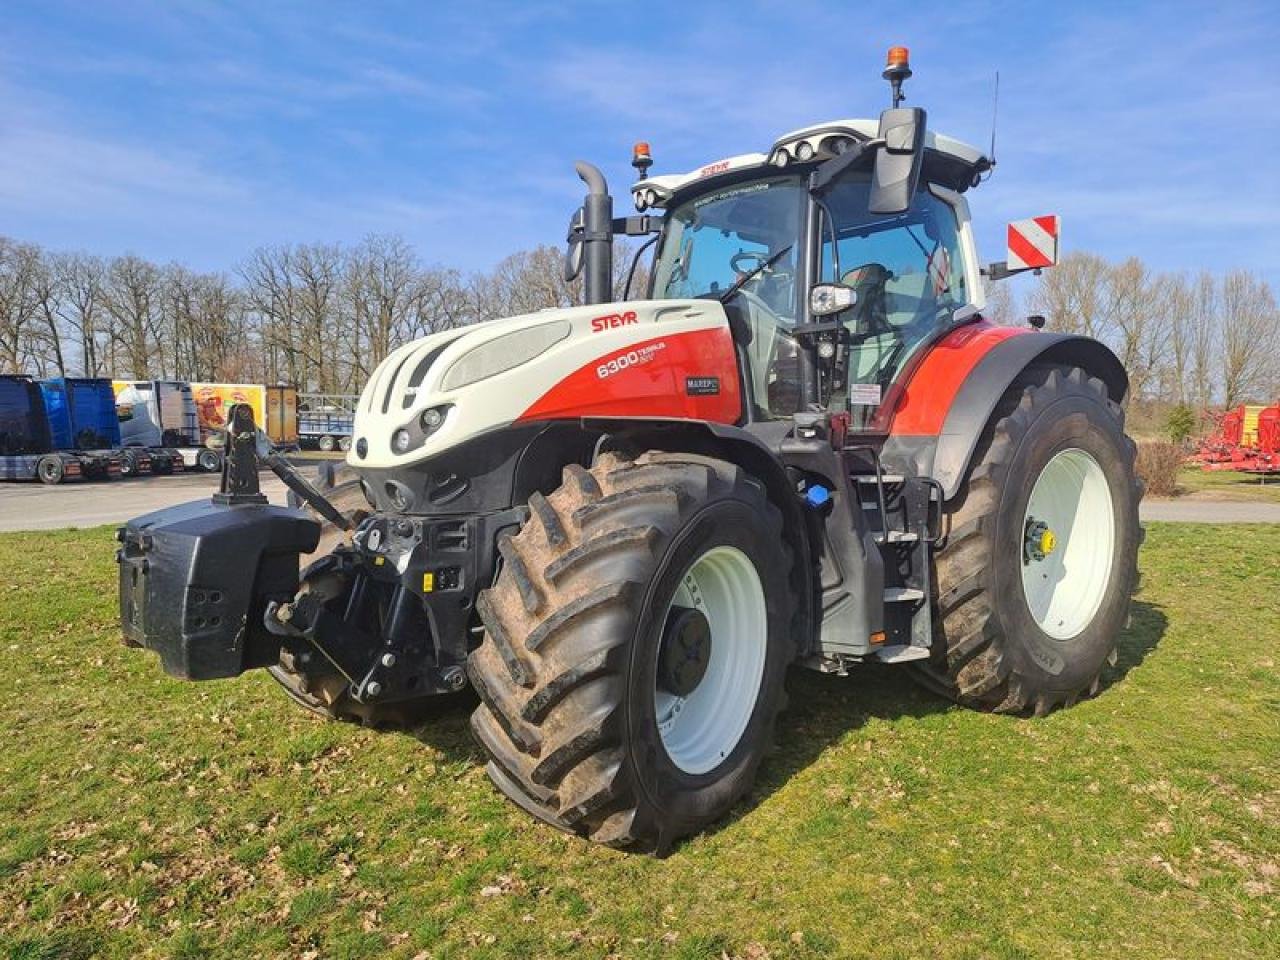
989 652
567 669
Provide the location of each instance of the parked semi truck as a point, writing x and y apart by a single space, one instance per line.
162 413
82 417
27 448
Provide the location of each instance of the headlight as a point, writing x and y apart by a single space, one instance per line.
418 430
503 353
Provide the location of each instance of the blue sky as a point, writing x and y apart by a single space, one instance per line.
198 131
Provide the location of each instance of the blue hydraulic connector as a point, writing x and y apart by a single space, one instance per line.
817 496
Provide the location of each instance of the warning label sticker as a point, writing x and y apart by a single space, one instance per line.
864 394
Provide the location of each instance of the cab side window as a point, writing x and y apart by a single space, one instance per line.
907 271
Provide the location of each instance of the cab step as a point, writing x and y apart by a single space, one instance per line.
902 653
902 594
898 536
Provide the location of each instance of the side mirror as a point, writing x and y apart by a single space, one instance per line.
573 252
897 167
828 298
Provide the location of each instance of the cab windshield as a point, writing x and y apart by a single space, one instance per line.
713 240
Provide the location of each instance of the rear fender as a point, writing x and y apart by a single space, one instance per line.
954 390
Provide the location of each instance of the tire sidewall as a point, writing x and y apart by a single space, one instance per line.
1072 422
677 795
50 470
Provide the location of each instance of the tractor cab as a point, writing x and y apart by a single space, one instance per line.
838 283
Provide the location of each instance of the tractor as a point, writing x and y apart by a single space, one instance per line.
620 524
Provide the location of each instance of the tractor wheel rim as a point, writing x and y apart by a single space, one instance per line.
700 729
1065 585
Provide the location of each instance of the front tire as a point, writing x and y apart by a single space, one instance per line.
1040 559
635 646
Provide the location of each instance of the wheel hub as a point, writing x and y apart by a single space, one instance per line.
711 659
1038 540
686 651
1068 544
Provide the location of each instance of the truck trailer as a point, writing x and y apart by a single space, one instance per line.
275 408
27 448
82 417
326 420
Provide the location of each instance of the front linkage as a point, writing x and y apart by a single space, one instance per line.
385 617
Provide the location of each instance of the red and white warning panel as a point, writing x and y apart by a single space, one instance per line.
1033 243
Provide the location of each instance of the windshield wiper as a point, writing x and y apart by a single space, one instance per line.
750 275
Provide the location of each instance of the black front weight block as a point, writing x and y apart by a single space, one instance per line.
195 580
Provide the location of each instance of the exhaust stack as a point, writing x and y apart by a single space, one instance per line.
596 235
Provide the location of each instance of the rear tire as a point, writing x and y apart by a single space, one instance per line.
325 443
210 461
580 730
1001 641
128 464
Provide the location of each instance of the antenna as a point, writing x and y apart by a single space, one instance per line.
995 108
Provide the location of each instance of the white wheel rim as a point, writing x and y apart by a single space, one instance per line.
1065 587
700 729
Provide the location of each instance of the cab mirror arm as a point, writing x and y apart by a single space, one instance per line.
822 179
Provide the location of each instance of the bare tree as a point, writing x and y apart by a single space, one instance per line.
133 299
19 309
1136 322
82 307
1073 295
1204 339
1177 299
46 330
1250 326
1002 304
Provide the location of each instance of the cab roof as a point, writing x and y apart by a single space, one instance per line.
947 161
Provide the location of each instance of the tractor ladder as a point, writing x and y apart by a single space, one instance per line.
904 514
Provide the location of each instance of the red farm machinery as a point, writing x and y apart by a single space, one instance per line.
1245 439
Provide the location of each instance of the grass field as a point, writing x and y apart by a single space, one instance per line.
142 817
1227 485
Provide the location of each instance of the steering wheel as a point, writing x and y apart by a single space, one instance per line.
744 261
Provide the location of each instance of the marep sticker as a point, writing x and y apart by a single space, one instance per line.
702 386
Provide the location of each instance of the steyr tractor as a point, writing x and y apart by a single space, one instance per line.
621 523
